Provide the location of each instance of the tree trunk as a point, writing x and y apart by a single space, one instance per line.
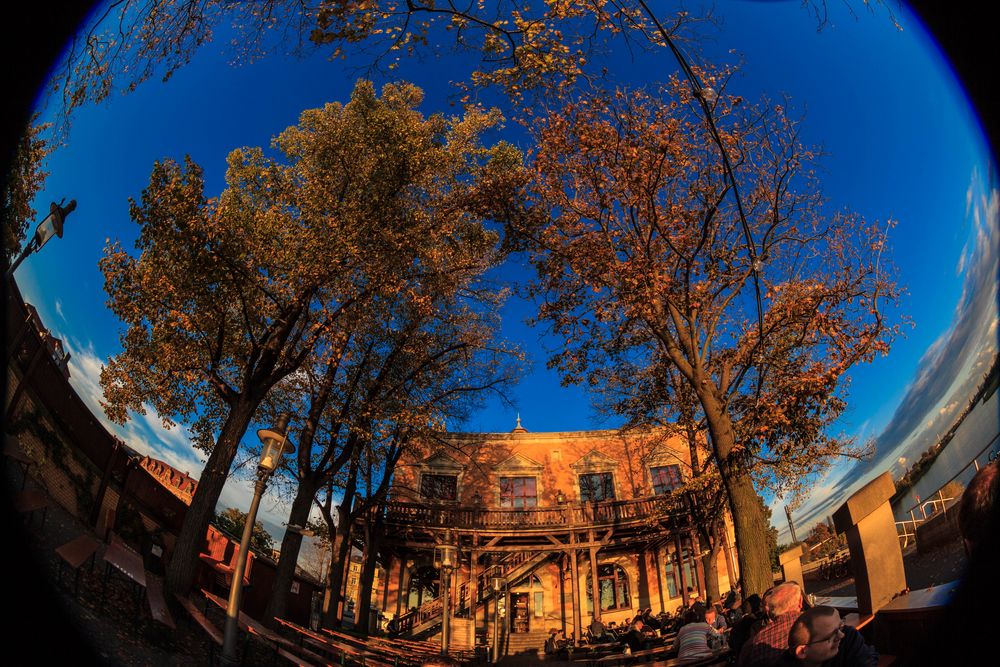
290 546
744 503
372 542
339 566
710 564
184 560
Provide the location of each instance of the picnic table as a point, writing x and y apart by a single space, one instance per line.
75 553
118 556
13 452
28 502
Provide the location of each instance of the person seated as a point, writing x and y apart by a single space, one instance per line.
649 620
552 644
695 638
783 606
819 637
598 633
716 620
634 639
741 631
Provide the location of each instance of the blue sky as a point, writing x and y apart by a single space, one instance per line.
900 140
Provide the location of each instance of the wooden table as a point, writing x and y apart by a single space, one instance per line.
14 453
75 553
27 502
120 557
922 600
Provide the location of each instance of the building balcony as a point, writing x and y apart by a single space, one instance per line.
615 513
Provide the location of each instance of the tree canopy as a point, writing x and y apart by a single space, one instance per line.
229 295
233 521
644 267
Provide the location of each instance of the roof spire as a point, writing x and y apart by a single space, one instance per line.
519 428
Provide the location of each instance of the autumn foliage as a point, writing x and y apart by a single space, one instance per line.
373 203
646 265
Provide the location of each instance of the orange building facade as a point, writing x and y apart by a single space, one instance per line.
549 514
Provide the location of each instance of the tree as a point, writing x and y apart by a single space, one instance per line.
645 259
415 364
233 521
231 295
22 183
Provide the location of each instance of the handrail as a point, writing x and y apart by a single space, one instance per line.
613 512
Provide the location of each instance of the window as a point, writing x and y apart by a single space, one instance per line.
612 582
666 479
597 486
518 492
439 487
672 573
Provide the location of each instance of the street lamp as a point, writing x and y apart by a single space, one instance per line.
444 560
51 225
497 584
275 445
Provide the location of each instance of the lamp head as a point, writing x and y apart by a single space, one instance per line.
275 444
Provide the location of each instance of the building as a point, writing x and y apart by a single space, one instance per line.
353 590
550 514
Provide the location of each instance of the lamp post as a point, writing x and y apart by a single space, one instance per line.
51 225
444 560
275 444
497 583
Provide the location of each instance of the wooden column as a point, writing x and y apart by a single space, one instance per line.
474 592
594 592
727 549
401 591
575 589
680 568
659 577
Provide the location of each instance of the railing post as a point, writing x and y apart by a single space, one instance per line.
876 558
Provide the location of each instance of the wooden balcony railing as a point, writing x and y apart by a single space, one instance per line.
615 512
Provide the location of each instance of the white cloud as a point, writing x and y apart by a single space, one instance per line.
60 310
143 433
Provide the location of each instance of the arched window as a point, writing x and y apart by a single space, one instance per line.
612 582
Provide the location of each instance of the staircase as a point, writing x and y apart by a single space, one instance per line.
513 568
532 643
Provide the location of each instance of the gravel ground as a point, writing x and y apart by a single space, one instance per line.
51 624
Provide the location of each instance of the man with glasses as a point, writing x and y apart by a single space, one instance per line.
819 638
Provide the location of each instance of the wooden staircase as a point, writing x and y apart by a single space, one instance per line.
514 567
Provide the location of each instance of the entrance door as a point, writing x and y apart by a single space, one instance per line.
519 618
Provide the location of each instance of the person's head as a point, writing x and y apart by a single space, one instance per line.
710 615
695 614
815 635
752 604
976 506
784 599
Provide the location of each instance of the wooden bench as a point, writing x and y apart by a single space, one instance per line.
718 659
341 650
157 604
214 633
75 553
410 655
283 647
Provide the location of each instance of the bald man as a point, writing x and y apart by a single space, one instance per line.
784 603
819 638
